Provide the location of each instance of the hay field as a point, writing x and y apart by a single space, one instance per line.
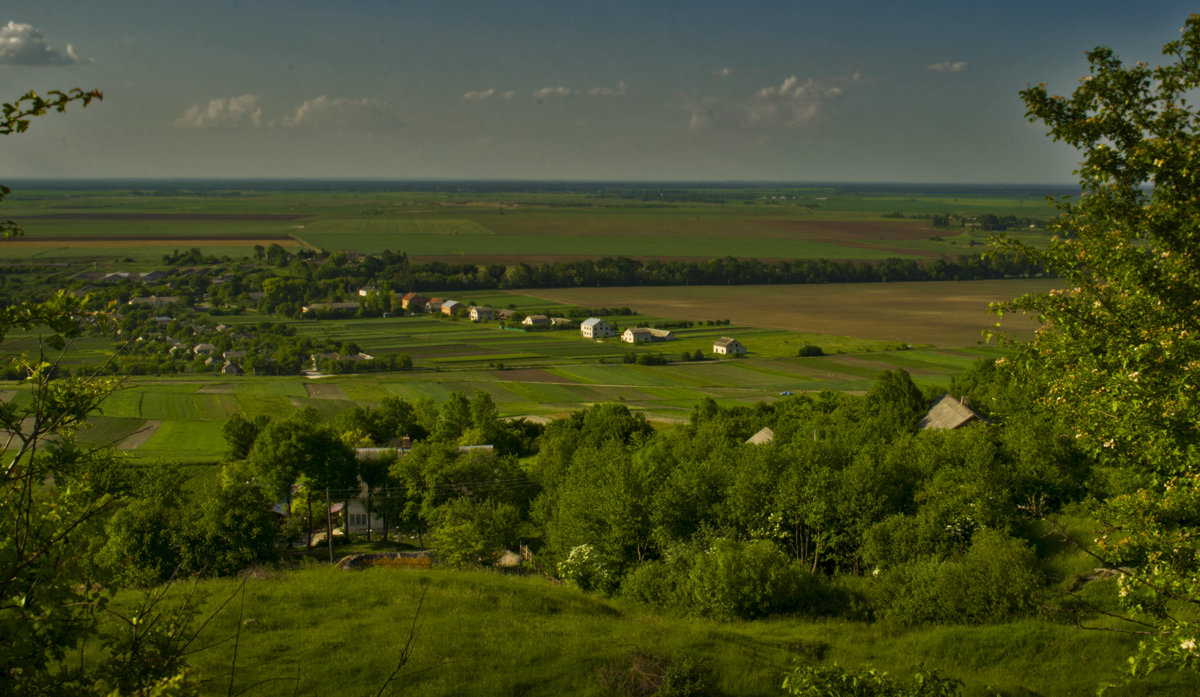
942 313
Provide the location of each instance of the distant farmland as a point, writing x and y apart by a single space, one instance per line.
942 313
489 227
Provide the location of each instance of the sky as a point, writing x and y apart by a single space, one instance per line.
790 91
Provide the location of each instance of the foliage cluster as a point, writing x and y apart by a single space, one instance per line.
1118 356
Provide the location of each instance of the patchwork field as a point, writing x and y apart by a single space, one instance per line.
931 329
181 418
488 226
939 313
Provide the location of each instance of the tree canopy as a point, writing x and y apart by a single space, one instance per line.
1117 359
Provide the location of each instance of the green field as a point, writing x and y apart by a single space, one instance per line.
188 412
780 222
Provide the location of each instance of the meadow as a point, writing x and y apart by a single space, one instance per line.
558 640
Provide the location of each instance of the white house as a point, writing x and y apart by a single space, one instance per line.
596 328
480 313
643 335
728 346
536 321
636 335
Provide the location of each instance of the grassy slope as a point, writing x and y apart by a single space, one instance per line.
327 631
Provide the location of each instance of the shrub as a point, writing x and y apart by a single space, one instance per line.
651 358
586 568
743 580
810 350
994 581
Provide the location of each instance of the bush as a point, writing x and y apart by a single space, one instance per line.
995 581
810 350
744 580
651 358
588 569
652 582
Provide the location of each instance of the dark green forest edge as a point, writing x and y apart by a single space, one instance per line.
1075 504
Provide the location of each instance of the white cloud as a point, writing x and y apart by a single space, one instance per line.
723 72
21 44
791 104
482 95
948 67
608 91
547 92
223 113
324 112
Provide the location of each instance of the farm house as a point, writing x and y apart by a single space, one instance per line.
727 346
646 335
596 328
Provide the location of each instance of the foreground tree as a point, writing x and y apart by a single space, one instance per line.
1118 357
55 498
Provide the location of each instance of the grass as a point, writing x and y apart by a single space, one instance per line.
322 630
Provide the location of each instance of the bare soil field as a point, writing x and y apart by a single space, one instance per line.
140 436
855 233
946 313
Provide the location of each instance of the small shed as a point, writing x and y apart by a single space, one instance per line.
947 413
764 436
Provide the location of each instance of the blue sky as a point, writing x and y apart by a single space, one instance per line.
786 91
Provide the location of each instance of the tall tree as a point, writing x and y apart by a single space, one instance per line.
1119 355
